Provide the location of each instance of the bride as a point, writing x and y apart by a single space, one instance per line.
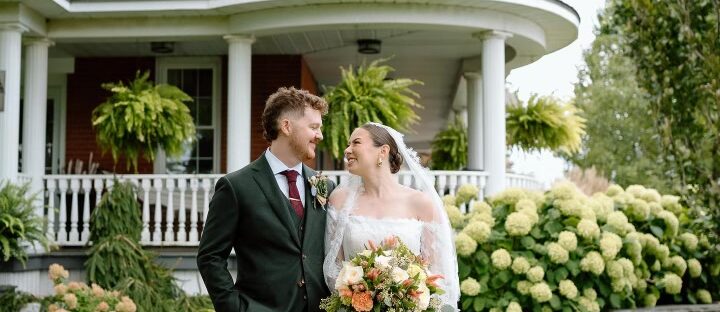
372 205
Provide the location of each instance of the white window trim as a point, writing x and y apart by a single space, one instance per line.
162 64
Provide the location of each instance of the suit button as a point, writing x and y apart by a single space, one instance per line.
301 283
304 297
304 256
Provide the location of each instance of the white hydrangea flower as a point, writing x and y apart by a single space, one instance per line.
671 222
483 217
479 207
513 307
567 240
671 283
525 204
617 221
564 190
448 200
465 193
635 190
593 262
479 231
523 287
557 253
614 269
541 292
610 245
671 203
470 287
465 245
650 300
694 267
703 296
509 196
535 274
602 205
520 265
638 209
588 229
569 207
614 190
501 259
590 293
676 264
457 218
518 224
655 209
689 240
590 305
531 214
568 289
662 252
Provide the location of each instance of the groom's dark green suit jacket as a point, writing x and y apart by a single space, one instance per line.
279 256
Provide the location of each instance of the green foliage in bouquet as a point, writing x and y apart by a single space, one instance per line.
367 94
18 222
544 123
566 251
385 277
141 117
450 147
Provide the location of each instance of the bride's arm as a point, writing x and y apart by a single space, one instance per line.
334 254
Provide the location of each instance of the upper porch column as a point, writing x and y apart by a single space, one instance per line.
35 113
493 82
474 121
10 57
238 119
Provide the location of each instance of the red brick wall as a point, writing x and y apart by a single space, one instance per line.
84 94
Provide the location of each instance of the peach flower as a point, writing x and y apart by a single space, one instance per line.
70 300
362 301
102 307
57 271
60 289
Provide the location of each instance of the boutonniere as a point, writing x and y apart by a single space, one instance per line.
319 188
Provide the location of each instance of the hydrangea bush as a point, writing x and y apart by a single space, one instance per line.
563 250
79 297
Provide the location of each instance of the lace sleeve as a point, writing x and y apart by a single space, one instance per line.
441 260
333 248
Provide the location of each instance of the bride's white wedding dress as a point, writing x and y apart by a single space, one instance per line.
361 229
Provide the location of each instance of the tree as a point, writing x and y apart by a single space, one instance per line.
674 45
367 94
619 141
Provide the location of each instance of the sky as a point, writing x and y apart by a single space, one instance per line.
532 78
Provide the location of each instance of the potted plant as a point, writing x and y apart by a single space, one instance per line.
142 117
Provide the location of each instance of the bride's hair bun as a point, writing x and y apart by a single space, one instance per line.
381 137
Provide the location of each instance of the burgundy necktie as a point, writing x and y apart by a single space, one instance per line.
295 201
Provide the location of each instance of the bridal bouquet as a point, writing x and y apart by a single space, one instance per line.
388 277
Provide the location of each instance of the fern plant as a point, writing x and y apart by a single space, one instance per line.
367 94
18 222
544 123
450 147
140 118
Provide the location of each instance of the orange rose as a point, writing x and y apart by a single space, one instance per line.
347 293
362 301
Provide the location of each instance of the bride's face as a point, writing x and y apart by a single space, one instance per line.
361 155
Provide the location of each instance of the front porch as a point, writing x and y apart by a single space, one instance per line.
174 207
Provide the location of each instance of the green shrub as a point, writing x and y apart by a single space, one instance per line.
13 301
118 213
18 222
563 250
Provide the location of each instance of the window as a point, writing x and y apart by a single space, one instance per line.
200 81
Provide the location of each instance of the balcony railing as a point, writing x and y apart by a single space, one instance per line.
174 207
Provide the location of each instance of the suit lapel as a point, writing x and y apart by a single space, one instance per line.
264 177
311 212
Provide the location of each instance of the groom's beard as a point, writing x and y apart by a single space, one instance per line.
302 149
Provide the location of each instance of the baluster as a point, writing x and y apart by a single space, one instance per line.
62 230
405 179
453 183
481 184
169 212
87 186
182 230
145 236
98 186
157 234
206 198
193 211
51 210
75 189
442 183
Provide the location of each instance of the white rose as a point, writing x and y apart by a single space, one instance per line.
365 253
399 275
382 262
353 274
424 299
340 281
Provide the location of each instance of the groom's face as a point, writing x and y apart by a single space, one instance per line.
306 134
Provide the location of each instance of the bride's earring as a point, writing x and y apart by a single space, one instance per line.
379 163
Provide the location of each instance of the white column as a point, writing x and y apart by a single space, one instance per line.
10 58
35 113
238 119
493 82
474 121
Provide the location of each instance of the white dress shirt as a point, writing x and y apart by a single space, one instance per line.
277 166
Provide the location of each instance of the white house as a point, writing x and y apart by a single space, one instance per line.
229 55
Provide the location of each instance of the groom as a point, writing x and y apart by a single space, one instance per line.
267 212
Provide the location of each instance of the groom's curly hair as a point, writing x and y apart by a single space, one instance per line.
288 100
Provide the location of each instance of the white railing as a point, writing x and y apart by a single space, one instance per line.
174 207
524 181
